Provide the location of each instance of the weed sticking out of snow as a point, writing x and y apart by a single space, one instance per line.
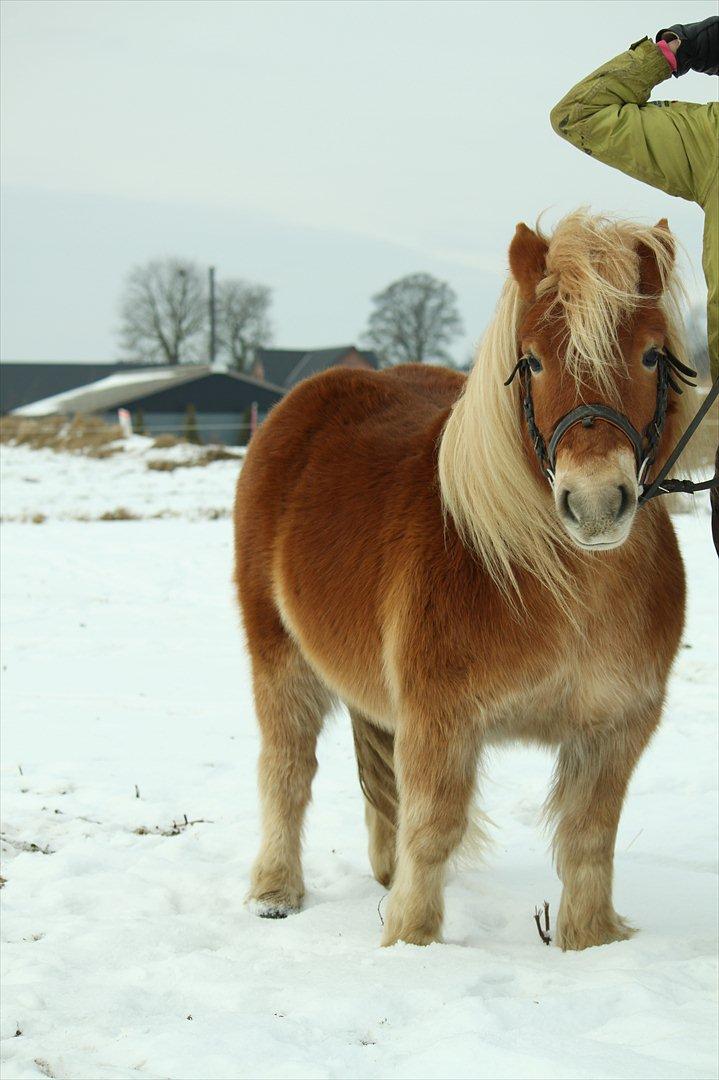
174 830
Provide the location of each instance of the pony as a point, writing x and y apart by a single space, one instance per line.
401 547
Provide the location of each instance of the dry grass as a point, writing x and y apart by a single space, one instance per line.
91 436
88 435
165 442
119 514
207 457
217 453
164 465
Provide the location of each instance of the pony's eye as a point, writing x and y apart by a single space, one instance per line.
650 358
535 365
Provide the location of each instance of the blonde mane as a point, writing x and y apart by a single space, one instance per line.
487 485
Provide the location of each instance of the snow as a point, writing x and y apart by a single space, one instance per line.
127 705
74 487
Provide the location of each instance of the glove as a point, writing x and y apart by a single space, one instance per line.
700 45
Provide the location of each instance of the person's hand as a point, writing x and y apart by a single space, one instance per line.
695 45
672 41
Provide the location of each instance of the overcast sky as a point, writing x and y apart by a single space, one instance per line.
322 148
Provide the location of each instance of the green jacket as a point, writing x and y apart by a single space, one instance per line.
672 145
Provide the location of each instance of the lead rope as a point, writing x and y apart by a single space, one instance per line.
663 486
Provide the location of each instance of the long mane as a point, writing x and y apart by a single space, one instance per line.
486 482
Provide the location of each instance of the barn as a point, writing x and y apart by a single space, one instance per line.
191 400
214 402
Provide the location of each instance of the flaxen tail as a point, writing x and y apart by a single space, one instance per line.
374 749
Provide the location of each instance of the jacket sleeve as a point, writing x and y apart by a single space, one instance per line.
669 145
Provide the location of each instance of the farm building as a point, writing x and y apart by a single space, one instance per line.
196 400
210 400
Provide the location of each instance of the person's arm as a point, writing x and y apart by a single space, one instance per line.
668 145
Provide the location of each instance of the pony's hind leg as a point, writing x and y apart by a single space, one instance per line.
375 764
591 779
291 703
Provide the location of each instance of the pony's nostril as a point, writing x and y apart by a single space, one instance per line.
566 507
623 500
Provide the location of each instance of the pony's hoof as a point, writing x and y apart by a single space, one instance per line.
605 932
268 907
409 937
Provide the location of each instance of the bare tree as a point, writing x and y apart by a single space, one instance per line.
414 319
164 311
243 322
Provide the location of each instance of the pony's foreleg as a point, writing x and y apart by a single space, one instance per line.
291 704
436 770
590 783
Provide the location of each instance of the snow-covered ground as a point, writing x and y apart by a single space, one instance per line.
127 949
73 487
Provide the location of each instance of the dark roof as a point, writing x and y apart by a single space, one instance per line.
217 392
277 364
371 358
316 360
287 367
22 383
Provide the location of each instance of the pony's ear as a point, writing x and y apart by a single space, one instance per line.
527 260
651 279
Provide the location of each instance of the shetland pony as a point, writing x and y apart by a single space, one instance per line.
398 548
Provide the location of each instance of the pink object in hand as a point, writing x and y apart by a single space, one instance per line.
669 55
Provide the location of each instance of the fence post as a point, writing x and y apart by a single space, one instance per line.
125 421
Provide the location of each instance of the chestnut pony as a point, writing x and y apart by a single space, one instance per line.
399 548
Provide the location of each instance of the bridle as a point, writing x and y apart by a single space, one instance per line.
670 372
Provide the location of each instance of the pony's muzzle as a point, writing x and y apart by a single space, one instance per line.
597 512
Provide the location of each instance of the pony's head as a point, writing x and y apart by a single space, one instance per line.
554 457
594 332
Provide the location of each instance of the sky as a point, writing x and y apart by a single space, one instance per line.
321 148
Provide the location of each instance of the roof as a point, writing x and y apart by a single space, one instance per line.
315 361
287 367
110 392
277 364
165 389
23 382
217 392
320 359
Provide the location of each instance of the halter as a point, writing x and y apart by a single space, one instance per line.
644 444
